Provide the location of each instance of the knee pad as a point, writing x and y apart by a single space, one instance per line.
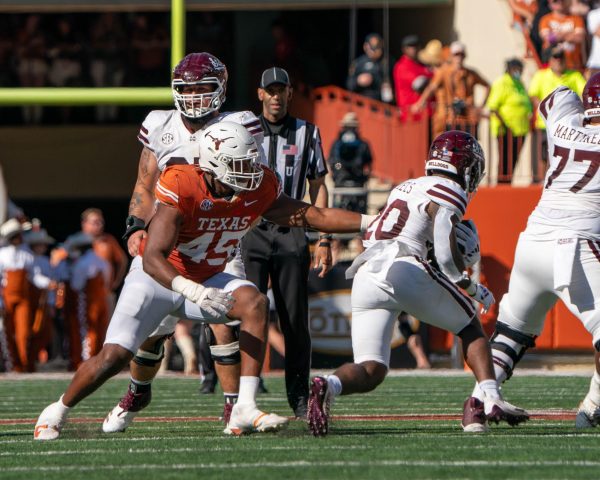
228 354
508 347
152 358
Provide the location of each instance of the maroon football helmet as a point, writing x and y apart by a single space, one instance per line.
458 155
199 69
591 97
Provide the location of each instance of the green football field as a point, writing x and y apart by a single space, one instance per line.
408 428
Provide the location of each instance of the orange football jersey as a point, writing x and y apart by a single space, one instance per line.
212 227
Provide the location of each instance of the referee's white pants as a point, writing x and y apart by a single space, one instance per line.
414 287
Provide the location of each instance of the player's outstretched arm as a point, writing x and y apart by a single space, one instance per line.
289 212
162 235
141 205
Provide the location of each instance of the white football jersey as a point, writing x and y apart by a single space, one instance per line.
405 218
571 196
164 133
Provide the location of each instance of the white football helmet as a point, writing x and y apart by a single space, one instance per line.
230 153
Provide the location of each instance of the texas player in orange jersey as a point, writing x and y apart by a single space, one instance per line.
201 216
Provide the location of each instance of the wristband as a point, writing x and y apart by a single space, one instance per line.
325 244
365 221
133 224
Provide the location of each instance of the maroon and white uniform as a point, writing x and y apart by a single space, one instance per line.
164 134
558 254
393 275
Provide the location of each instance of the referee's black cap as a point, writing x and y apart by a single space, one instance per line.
274 75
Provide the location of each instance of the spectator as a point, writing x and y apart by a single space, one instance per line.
510 110
350 162
593 27
410 76
366 75
32 66
106 247
524 10
293 149
454 85
534 33
150 46
43 299
107 65
86 306
18 273
544 82
560 28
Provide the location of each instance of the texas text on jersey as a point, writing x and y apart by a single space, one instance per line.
212 227
404 217
164 133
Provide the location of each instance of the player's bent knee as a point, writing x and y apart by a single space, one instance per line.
249 300
376 373
508 347
113 358
151 355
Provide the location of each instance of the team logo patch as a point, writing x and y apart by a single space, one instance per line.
167 139
206 204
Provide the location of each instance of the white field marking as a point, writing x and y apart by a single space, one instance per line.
222 438
201 448
305 463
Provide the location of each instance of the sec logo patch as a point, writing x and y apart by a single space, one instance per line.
167 139
206 204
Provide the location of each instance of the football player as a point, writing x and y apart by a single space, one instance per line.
393 276
170 137
203 212
558 254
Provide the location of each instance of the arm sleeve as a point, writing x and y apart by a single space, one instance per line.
443 229
316 161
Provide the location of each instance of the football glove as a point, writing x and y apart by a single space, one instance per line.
214 301
482 295
467 240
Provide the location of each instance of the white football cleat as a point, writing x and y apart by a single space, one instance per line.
249 419
588 415
499 410
51 421
117 420
120 417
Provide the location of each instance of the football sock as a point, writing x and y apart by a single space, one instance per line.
477 392
230 397
139 386
594 393
335 384
62 406
248 390
490 388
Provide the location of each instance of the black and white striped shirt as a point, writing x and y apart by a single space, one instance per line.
295 153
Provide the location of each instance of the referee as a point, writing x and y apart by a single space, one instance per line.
293 149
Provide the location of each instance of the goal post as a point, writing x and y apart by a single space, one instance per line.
124 96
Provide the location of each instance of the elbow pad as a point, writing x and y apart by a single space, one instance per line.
442 230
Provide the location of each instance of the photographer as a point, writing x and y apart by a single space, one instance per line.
454 86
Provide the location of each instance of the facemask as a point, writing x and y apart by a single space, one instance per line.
516 75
